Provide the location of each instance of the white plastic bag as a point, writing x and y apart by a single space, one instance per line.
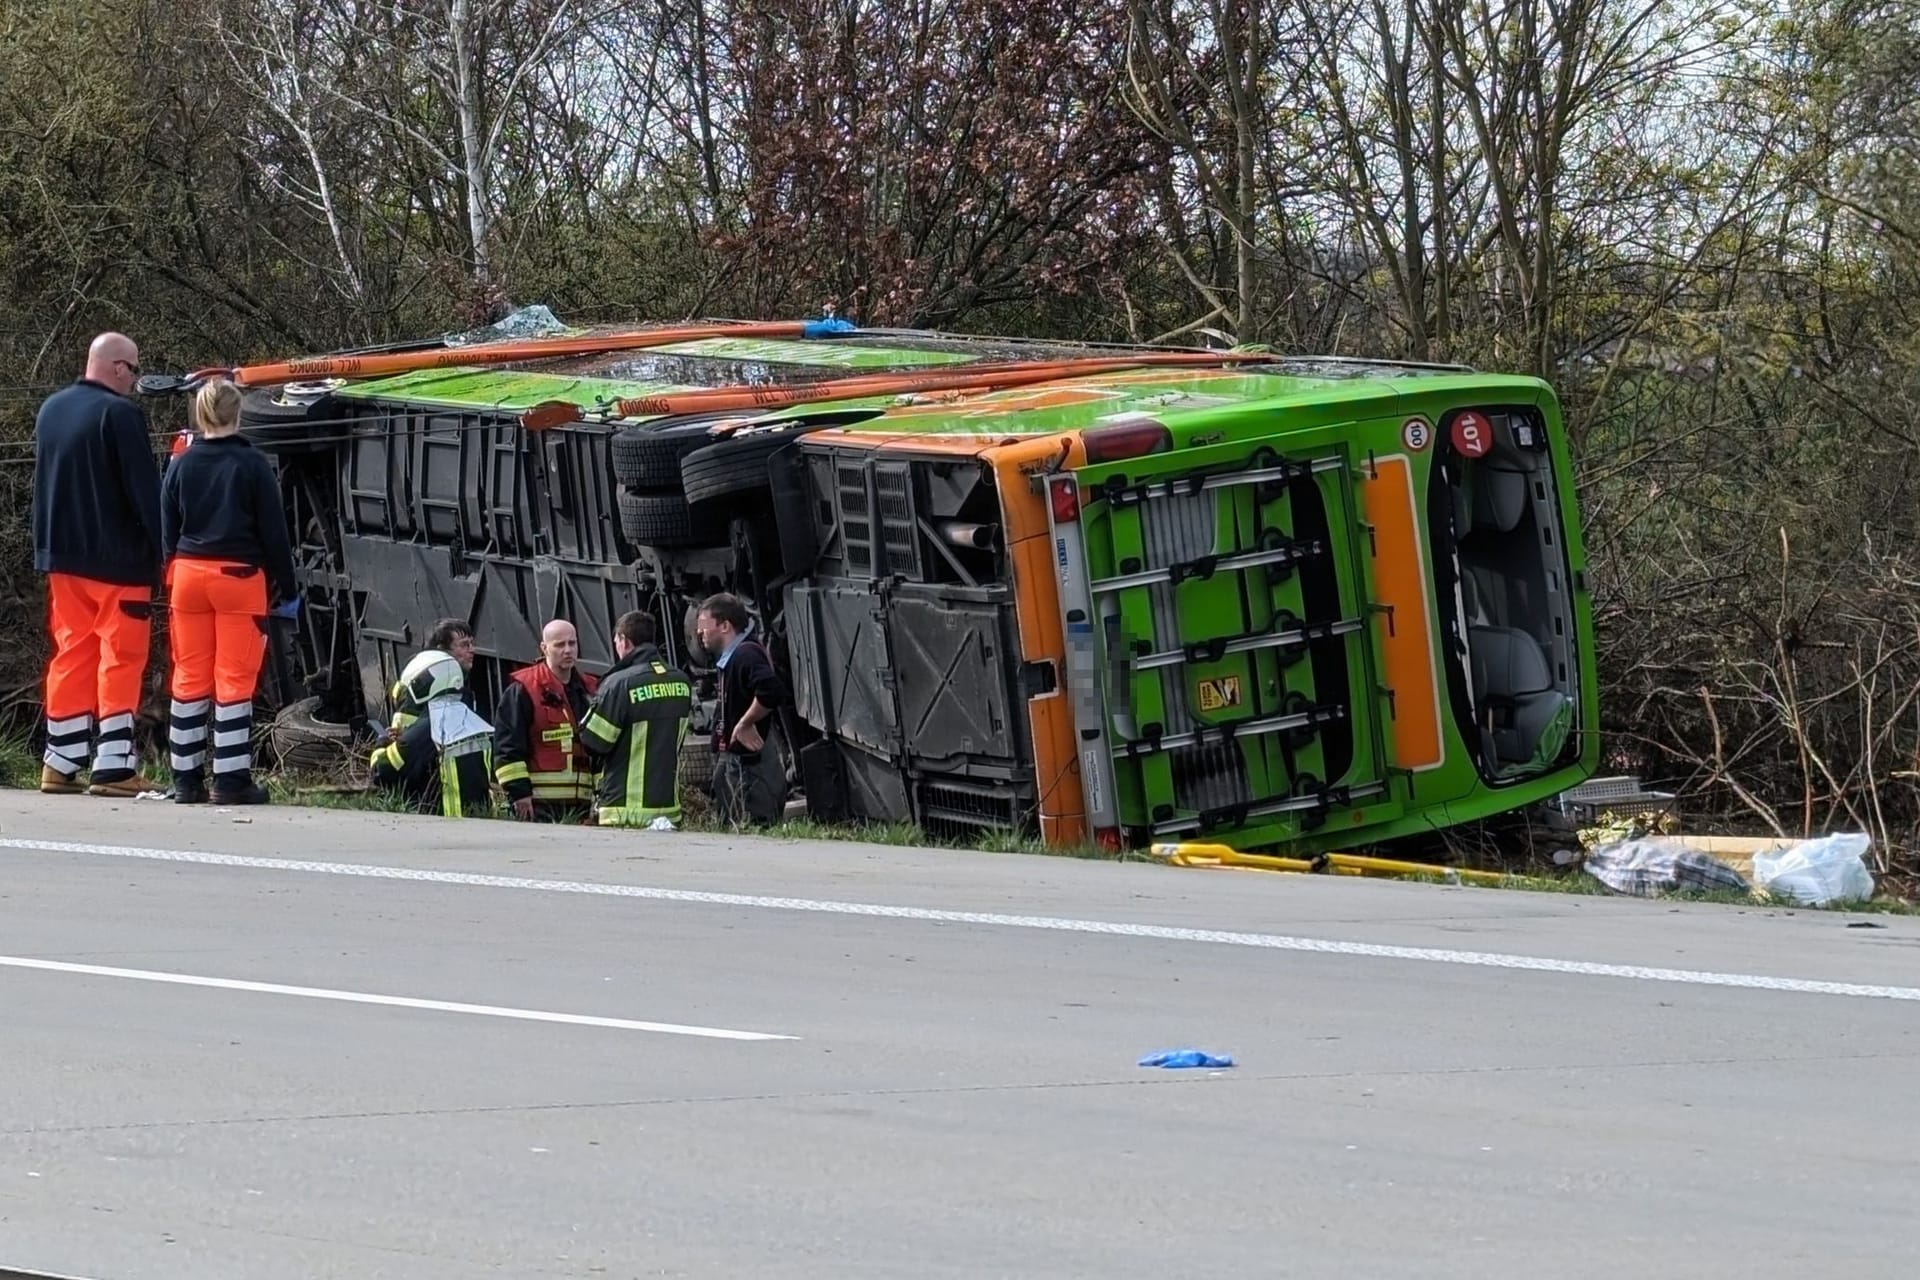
1817 872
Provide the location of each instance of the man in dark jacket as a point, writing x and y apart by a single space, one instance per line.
96 535
747 786
537 754
637 721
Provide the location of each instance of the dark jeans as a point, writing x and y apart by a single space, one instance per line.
749 789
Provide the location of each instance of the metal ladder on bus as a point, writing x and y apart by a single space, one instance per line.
1288 638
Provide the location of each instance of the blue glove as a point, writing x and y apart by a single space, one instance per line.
291 609
822 328
1185 1058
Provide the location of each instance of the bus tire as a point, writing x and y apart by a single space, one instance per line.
729 468
302 740
647 458
305 426
666 520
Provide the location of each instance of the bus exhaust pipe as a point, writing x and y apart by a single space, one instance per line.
973 537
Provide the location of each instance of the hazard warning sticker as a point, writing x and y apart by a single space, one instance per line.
1416 434
1220 693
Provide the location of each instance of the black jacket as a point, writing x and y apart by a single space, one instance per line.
748 674
637 721
96 488
220 501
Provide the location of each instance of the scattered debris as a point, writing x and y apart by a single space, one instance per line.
1594 802
1179 1058
1615 826
1817 872
534 321
1647 867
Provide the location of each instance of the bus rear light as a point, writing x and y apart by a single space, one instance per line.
1132 437
1065 497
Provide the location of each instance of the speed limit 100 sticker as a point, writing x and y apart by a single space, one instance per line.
1417 434
1472 434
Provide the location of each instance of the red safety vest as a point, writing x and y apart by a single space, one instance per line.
557 764
181 440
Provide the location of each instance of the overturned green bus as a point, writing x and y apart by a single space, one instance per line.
1106 594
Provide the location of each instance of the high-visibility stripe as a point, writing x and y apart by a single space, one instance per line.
67 743
512 771
561 786
637 767
600 729
450 797
232 733
636 815
187 733
114 751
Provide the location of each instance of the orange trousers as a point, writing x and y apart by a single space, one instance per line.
218 629
102 633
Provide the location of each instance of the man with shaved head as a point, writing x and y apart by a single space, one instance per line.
96 535
538 757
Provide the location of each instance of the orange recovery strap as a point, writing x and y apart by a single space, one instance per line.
975 378
482 353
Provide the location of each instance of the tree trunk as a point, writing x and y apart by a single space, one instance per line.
466 75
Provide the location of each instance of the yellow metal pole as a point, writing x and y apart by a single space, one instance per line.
1195 854
1389 866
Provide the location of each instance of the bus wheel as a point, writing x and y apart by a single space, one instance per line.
737 466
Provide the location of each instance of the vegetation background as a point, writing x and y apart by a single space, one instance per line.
1700 221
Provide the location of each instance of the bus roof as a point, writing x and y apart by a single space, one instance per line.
1063 404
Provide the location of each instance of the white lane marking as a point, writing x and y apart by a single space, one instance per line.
401 1002
1265 941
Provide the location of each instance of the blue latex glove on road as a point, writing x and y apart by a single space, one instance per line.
291 609
1185 1058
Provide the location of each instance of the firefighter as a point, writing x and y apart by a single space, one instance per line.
450 636
637 721
442 763
538 757
229 564
96 535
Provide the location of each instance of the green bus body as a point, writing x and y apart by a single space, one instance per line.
1300 606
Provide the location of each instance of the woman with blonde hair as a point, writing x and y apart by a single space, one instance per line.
229 561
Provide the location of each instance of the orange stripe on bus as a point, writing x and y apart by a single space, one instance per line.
1404 584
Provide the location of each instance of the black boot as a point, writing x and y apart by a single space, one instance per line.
190 787
237 788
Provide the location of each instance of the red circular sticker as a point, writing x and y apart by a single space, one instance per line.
1472 434
1416 434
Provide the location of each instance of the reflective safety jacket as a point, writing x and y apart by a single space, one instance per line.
537 751
637 721
442 763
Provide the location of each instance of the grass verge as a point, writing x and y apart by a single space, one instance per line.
20 769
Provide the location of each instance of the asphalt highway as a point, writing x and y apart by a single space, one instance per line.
323 1044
